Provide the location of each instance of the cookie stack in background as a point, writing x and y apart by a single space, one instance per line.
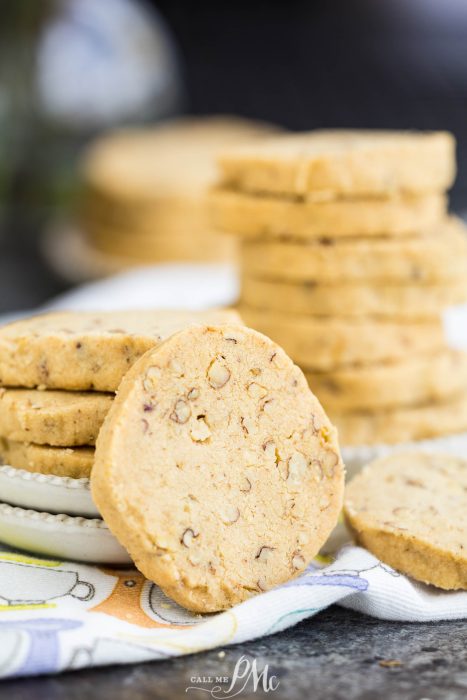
144 191
348 259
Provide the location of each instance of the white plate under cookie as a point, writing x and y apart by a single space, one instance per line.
60 536
46 492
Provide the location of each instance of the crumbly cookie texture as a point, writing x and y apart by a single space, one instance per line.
73 462
440 256
402 424
410 510
217 468
85 351
328 343
413 380
58 418
250 216
354 300
332 163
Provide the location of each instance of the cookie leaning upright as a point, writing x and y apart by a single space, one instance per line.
71 357
410 510
217 468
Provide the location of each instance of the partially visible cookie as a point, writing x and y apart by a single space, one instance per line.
440 256
169 163
402 424
127 242
58 418
217 468
329 343
258 215
414 380
329 164
74 462
355 299
83 350
410 510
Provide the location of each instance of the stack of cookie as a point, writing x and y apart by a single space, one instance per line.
144 191
69 366
348 260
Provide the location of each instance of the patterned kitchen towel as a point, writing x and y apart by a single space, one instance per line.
56 616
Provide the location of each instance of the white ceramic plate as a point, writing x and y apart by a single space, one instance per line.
60 536
44 492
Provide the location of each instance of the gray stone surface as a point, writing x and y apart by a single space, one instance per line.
336 655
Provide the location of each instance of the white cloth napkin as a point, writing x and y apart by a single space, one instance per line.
58 616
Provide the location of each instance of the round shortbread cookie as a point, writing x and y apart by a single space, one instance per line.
58 418
402 424
329 343
414 380
217 468
352 163
354 300
83 350
410 510
250 215
431 258
73 462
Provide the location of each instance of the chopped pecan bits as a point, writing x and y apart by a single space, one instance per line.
298 465
176 368
151 378
329 463
270 450
298 562
188 536
245 485
247 425
266 406
218 375
316 423
256 391
193 394
200 431
79 345
43 369
264 554
181 412
317 469
230 515
325 434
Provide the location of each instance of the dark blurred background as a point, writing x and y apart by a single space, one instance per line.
71 68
